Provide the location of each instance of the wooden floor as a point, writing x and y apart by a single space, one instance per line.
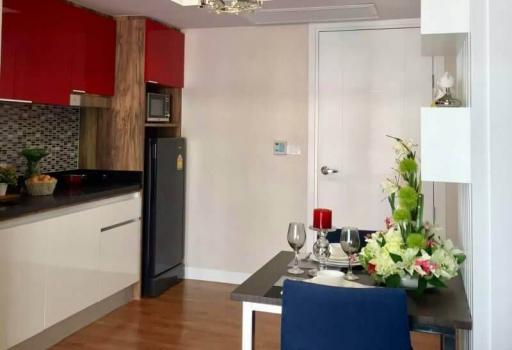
192 315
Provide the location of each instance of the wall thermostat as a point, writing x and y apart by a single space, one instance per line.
280 148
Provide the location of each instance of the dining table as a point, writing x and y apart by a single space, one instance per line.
442 311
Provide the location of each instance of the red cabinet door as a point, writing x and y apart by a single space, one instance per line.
164 55
93 64
51 47
42 57
9 43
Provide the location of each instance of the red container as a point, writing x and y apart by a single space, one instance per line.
322 218
73 181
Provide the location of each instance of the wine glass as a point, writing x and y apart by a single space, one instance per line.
350 242
296 239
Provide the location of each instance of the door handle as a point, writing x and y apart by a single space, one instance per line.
328 171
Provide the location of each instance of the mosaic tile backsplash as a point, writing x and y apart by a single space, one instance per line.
53 128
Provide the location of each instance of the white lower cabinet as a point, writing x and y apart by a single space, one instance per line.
55 267
118 245
23 252
73 280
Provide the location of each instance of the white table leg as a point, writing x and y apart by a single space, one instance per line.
248 326
248 321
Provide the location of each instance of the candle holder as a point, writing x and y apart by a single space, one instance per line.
321 247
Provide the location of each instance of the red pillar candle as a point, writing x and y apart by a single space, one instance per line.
322 218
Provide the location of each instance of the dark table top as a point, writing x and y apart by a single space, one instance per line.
445 308
111 184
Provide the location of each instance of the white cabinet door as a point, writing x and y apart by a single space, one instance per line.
73 280
119 256
22 288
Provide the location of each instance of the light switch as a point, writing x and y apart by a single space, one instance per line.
280 148
293 150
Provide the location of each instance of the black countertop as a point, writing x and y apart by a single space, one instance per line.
97 185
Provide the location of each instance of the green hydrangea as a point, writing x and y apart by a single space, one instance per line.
416 240
401 215
408 198
407 166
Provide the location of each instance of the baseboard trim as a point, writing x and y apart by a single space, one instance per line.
212 275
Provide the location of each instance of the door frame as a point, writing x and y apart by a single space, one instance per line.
314 32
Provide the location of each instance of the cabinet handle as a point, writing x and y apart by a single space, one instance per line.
124 223
13 100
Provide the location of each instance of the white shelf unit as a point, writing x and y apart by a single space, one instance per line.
444 26
446 145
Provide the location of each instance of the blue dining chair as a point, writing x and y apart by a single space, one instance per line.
317 317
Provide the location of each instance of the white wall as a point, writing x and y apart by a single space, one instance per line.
492 171
245 88
500 142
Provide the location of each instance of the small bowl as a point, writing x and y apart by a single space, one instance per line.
41 188
73 180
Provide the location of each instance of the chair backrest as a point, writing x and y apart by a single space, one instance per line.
317 317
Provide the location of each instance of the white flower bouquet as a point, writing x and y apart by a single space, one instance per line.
409 248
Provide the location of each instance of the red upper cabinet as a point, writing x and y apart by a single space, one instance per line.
47 51
42 72
165 48
94 56
10 40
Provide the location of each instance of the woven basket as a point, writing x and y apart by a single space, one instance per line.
41 189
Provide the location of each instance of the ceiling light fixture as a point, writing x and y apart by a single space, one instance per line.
232 6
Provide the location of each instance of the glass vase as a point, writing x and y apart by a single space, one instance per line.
321 249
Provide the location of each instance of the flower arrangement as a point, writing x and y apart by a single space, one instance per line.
409 248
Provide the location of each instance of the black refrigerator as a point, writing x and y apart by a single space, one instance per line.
164 214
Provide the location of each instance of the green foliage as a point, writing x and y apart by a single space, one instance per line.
401 215
460 258
396 258
393 281
408 166
408 198
416 240
34 154
436 282
422 285
8 175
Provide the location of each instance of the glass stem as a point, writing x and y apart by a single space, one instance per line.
296 258
350 265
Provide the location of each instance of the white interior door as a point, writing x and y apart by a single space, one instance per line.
371 83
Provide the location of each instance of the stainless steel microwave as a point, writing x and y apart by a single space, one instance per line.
158 108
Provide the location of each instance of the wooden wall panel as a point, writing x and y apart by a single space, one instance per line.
88 136
113 138
120 137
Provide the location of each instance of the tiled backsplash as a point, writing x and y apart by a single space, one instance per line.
53 128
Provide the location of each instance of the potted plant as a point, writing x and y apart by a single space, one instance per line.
409 252
33 157
7 177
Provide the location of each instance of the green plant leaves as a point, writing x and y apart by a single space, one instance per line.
393 281
460 258
422 285
395 257
436 282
